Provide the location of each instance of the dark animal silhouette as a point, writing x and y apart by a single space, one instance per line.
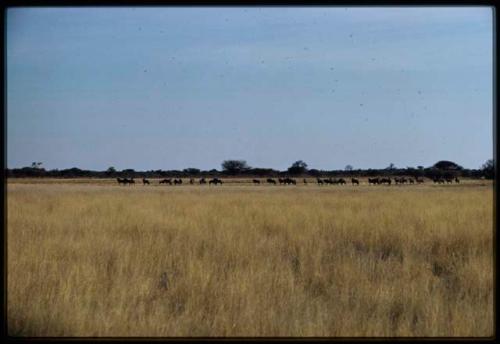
373 181
166 181
354 181
449 180
438 180
177 181
256 181
289 181
122 181
341 181
145 181
385 181
215 181
400 180
129 181
282 181
320 182
411 181
271 181
457 180
418 180
305 181
191 181
203 181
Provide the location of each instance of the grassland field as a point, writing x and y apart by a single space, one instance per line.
87 257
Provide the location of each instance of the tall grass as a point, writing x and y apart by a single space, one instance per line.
89 260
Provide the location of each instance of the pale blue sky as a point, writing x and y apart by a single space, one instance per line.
171 88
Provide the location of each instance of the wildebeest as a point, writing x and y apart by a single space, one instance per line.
457 180
373 181
449 180
354 181
166 181
410 180
129 181
282 181
256 181
320 182
387 181
419 181
305 181
203 181
341 181
145 181
438 180
400 180
215 181
122 181
191 181
271 181
177 181
289 181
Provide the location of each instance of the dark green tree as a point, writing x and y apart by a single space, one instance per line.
234 167
297 168
488 169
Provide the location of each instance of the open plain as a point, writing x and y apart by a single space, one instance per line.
92 258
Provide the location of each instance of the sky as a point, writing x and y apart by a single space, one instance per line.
171 88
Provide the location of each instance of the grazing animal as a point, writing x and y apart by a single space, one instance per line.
130 181
449 180
341 181
256 181
457 180
121 181
354 181
320 182
373 181
282 181
411 181
203 181
166 181
145 181
177 181
215 181
305 181
289 181
419 181
385 181
271 181
438 180
191 181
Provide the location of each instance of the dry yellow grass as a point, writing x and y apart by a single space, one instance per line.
88 260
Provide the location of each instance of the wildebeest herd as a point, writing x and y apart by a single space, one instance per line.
290 181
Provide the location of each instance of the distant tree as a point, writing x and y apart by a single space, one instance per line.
191 171
488 169
234 167
391 167
314 172
261 172
447 165
298 167
37 165
110 171
349 168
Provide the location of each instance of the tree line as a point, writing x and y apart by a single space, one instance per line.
240 168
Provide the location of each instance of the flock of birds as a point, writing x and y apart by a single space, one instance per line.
290 181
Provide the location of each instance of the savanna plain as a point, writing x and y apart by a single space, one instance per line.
91 258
